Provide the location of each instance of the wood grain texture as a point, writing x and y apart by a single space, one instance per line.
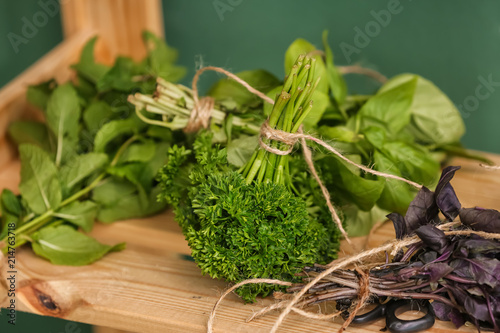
152 286
119 24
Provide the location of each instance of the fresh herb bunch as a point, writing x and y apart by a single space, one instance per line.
91 158
458 273
251 223
406 128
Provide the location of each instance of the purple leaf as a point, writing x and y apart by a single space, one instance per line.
399 224
477 308
446 198
446 313
477 245
422 210
437 270
479 219
432 237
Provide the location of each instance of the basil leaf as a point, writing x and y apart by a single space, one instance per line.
63 114
161 58
359 222
82 166
336 81
338 133
39 185
81 214
63 245
38 94
96 115
87 67
397 195
32 132
434 117
232 95
414 164
301 46
389 109
241 149
350 185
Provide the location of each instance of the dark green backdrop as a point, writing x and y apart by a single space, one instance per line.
454 43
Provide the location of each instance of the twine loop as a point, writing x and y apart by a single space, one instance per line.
200 115
270 133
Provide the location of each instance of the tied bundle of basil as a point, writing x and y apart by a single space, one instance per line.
91 159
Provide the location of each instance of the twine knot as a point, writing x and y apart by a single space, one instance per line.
270 133
200 115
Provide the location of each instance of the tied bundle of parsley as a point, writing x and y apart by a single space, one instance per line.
91 159
257 221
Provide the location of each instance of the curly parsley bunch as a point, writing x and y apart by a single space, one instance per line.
261 221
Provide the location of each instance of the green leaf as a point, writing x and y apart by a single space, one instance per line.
241 149
161 58
63 114
336 81
375 136
79 213
10 203
129 206
321 102
434 117
397 195
87 67
139 152
338 133
38 94
82 166
96 115
389 109
39 185
137 175
120 76
63 245
359 222
301 46
350 185
414 164
112 130
112 190
232 94
32 132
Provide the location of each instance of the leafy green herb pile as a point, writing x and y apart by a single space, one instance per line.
458 272
258 221
406 128
92 158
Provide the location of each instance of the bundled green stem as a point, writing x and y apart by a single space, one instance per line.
291 107
174 103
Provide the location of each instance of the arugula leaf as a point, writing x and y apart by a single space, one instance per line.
87 67
63 245
233 95
38 94
96 115
434 117
389 109
82 166
79 213
302 46
139 152
161 58
39 185
120 76
63 114
32 132
336 81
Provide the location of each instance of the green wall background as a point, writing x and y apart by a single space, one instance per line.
454 43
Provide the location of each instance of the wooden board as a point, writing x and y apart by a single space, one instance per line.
152 286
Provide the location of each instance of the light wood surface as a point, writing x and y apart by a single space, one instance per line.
152 286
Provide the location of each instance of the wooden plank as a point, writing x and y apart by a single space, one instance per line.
152 286
119 24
